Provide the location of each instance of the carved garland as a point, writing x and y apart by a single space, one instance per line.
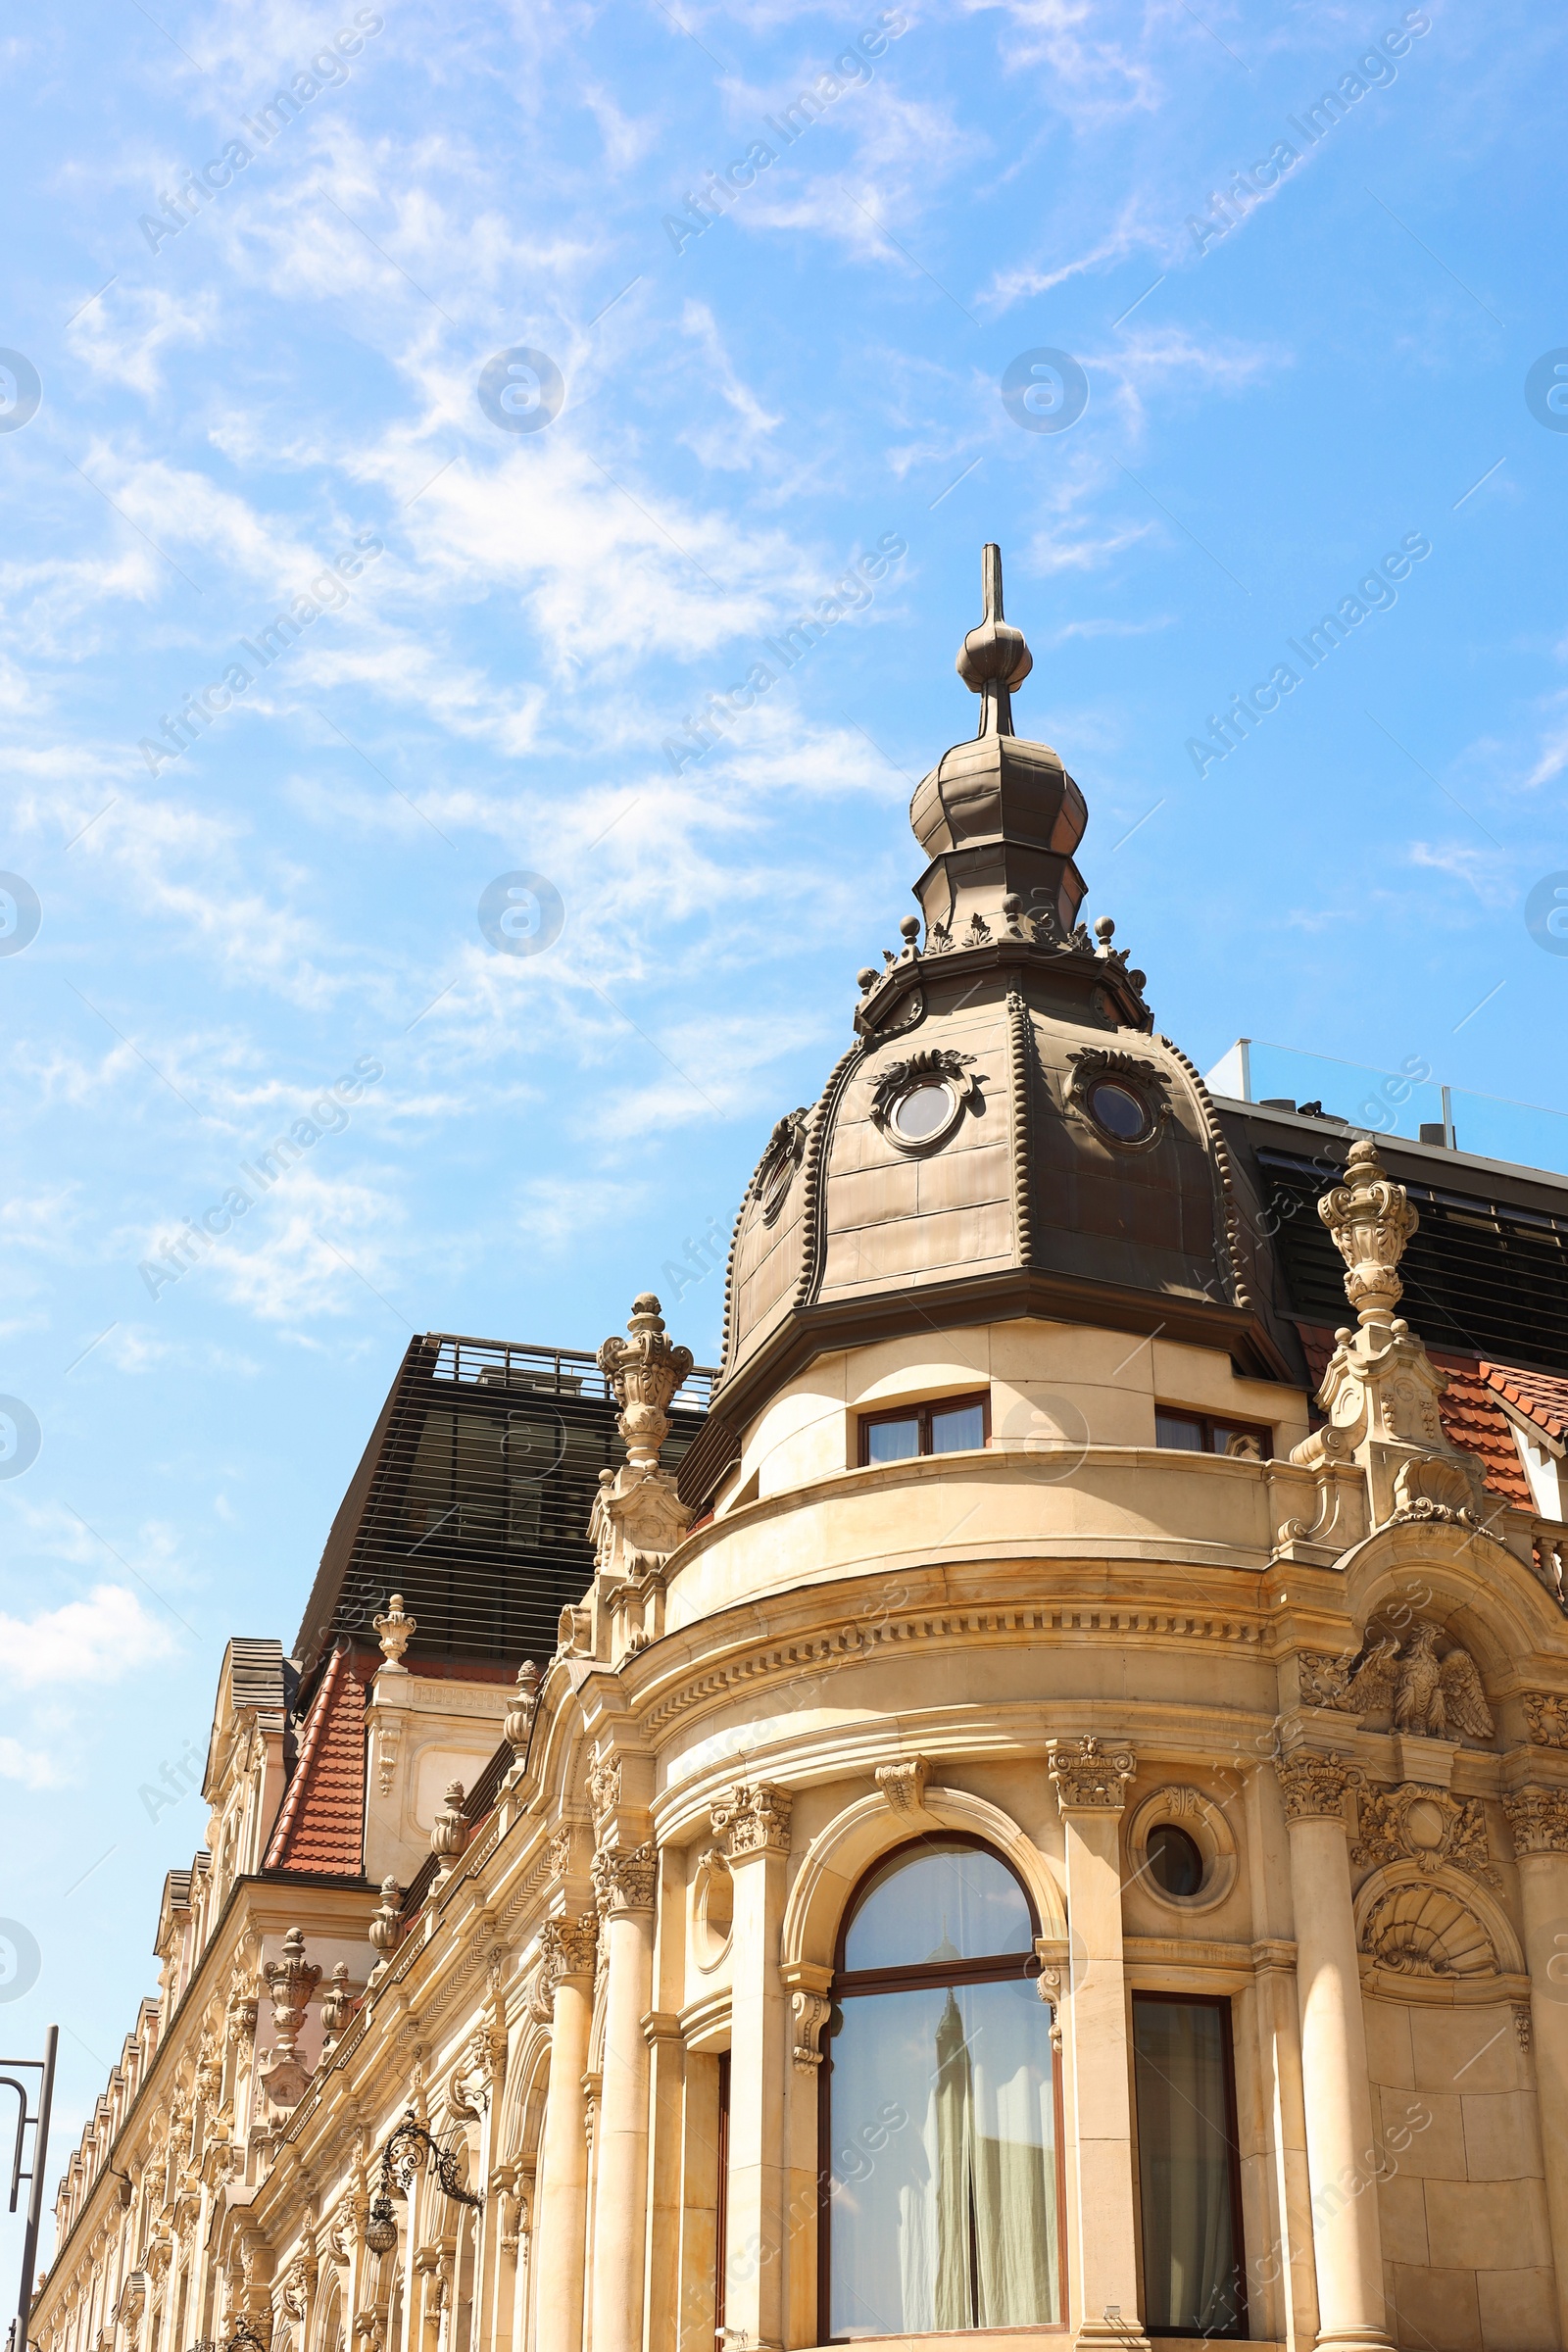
936 1065
1547 1714
775 1172
1141 1077
1425 1826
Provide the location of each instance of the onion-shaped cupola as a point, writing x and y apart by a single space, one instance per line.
1005 1135
998 817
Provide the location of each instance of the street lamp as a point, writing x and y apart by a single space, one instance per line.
44 2068
407 2150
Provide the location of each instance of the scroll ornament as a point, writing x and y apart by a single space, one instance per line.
1090 1778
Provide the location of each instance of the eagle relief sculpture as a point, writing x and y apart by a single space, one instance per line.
1439 1699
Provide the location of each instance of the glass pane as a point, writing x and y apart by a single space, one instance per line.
1183 1429
1191 2263
1115 1107
1175 1863
939 1902
1244 1442
955 1427
922 1111
893 1441
943 2162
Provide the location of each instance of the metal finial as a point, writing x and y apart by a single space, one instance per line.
993 659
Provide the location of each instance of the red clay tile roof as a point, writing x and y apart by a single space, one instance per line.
320 1824
1544 1395
1471 1415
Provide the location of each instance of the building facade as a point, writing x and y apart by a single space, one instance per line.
1044 1811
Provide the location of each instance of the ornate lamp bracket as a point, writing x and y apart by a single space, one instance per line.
408 2150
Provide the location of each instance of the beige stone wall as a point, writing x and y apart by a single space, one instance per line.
1466 2248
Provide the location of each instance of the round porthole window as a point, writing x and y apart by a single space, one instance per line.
1175 1862
922 1113
776 1185
1120 1111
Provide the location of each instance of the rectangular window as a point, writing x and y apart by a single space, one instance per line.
1201 1433
721 2217
1189 2166
943 2181
950 1426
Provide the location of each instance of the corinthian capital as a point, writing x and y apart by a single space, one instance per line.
1089 1778
625 1881
1314 1786
566 1947
1538 1820
1371 1220
757 1817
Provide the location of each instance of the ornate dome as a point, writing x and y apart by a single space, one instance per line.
1007 1135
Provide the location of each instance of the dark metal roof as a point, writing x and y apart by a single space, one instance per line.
1487 1271
473 1499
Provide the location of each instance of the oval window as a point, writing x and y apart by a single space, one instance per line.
922 1113
776 1183
1175 1863
1120 1112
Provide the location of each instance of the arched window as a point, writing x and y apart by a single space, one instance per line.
941 2113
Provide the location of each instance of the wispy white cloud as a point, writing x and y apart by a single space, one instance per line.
99 1640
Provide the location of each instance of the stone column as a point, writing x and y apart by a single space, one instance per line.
1538 1819
624 1881
1091 1783
563 2187
756 1822
1343 2157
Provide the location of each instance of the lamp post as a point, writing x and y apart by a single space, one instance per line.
44 2068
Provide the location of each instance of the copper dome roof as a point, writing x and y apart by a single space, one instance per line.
1007 1135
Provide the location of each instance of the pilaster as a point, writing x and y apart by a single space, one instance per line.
1538 1820
1090 1782
755 1824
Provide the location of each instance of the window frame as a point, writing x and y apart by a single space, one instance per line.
1224 2002
721 2207
920 1414
1209 1422
997 1969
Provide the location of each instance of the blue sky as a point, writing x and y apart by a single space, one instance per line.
503 610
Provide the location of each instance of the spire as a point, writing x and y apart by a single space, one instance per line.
994 659
998 817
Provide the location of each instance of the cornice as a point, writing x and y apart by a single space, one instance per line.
750 1663
818 1327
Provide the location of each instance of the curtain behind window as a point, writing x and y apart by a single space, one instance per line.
1186 2168
944 2162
